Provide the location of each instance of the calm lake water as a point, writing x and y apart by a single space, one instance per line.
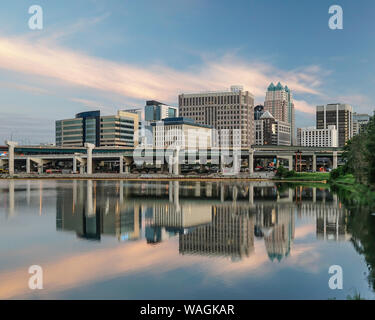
181 240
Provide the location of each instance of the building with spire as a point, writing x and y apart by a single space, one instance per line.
279 102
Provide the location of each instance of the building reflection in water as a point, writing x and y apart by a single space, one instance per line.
210 219
165 220
92 209
230 234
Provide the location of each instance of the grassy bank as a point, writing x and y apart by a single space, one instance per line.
308 176
355 193
285 174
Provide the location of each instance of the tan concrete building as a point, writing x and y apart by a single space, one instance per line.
223 110
279 102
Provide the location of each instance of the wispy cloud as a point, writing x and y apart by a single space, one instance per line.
25 129
304 106
23 87
46 59
56 33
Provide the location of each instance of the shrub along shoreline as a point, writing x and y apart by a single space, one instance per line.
284 174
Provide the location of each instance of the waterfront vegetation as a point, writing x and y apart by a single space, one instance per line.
284 174
361 226
355 180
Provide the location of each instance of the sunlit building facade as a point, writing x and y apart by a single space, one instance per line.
230 110
279 102
91 127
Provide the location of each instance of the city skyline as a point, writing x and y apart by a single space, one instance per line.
107 67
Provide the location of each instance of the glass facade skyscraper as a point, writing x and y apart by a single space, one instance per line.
156 111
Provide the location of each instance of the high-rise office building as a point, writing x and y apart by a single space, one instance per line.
360 120
279 102
223 110
339 115
91 127
269 131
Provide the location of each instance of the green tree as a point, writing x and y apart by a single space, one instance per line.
359 154
370 150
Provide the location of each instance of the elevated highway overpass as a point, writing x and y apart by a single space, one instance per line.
82 158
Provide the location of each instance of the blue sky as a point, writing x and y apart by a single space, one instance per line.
116 54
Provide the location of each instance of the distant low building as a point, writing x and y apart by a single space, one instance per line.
152 112
360 121
182 132
156 111
312 137
258 111
269 131
91 127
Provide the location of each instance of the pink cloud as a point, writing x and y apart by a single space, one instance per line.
47 60
303 106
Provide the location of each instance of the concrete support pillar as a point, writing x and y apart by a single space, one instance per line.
11 198
334 162
290 162
74 164
75 191
208 190
40 167
236 168
170 163
197 189
121 191
89 147
176 195
28 192
222 193
170 191
314 163
28 165
40 197
251 194
89 200
127 168
251 161
121 159
234 193
176 163
11 145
